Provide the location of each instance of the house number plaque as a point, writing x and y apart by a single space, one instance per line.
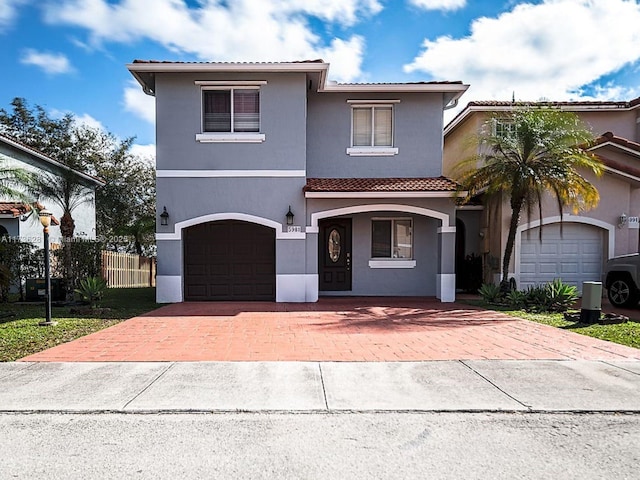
633 222
294 229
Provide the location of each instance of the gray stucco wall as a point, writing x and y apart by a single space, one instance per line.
417 135
418 281
282 120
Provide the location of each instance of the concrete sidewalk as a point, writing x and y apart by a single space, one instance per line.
469 385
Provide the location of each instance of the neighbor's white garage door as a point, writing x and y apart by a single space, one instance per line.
575 256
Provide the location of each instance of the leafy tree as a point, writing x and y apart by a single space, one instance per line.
125 205
541 152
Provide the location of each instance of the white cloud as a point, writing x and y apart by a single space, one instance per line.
551 49
86 120
139 103
51 63
242 30
439 4
146 153
8 11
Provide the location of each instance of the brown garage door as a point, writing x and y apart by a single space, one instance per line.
229 260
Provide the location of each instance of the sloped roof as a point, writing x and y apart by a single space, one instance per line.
580 105
18 208
12 142
14 208
144 72
427 184
610 138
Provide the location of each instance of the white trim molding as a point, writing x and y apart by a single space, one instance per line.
230 137
446 287
230 173
447 230
372 151
607 227
228 83
378 207
213 217
169 289
392 263
297 288
378 195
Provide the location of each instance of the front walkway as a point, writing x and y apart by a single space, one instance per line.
340 329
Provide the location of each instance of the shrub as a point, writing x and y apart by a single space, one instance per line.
91 290
560 296
516 299
490 293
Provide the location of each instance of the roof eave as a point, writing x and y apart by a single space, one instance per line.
51 161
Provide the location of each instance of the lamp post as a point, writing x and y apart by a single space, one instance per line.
45 220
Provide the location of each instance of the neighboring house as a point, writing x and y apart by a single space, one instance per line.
577 250
280 185
18 221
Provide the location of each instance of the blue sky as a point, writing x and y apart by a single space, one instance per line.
70 55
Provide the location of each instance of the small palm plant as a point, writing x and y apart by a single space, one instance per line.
92 290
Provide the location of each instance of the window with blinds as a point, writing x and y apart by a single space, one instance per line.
372 126
231 110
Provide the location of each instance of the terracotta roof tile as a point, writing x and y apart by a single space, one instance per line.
609 137
428 184
14 208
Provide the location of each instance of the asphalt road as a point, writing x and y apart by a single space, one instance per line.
346 445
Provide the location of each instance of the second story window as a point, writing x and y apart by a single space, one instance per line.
233 110
372 128
230 111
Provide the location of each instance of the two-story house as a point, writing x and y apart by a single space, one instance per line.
274 183
576 250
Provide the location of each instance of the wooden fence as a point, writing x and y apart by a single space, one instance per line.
122 270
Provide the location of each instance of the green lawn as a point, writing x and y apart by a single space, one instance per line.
20 334
623 333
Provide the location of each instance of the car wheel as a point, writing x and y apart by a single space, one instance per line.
622 293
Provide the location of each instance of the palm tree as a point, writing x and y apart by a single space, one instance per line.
540 152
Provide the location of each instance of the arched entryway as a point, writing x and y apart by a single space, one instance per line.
229 260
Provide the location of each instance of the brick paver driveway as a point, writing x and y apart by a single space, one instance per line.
340 329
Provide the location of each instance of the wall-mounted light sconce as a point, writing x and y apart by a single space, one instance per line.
164 217
622 221
289 216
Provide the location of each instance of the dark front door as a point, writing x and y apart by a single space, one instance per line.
334 254
229 260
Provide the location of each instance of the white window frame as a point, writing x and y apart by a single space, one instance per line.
229 137
503 124
372 150
391 262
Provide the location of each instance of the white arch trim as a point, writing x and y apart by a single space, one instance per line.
213 217
379 207
609 228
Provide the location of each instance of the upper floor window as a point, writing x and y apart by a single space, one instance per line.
372 128
233 110
230 112
504 128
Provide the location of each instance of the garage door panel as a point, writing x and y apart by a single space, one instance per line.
547 268
574 255
548 249
566 268
229 260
